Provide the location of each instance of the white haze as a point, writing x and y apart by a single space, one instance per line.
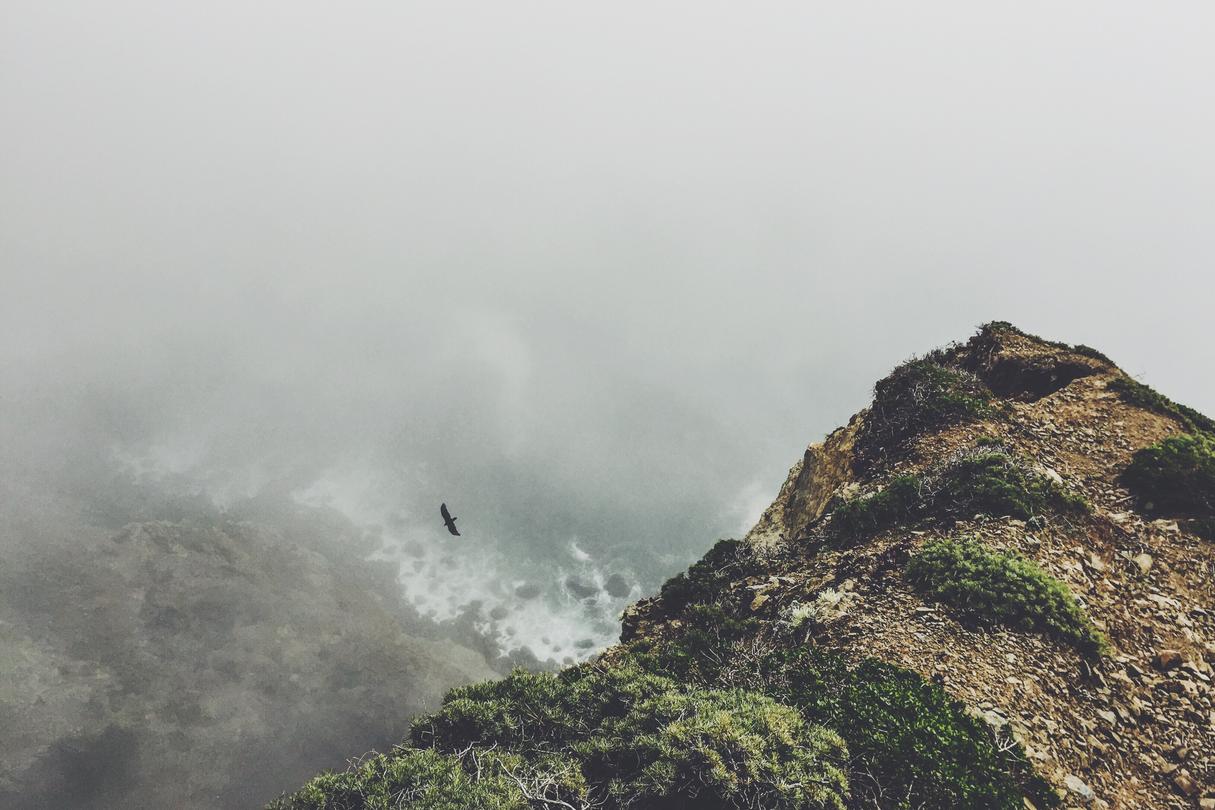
591 273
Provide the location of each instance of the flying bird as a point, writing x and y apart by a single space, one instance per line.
448 520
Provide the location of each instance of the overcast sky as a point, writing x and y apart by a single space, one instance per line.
587 270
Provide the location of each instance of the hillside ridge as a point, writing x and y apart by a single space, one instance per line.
991 589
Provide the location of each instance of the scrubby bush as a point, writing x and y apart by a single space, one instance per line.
715 750
920 395
990 332
535 709
982 481
996 483
703 581
708 632
420 780
1136 393
1176 475
993 587
911 745
644 741
899 502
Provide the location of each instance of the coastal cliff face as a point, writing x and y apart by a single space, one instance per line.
994 588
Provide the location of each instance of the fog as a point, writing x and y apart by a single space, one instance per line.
592 275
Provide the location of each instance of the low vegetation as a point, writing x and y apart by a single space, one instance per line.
610 737
986 480
1140 395
994 482
991 331
421 780
920 395
1176 475
900 501
719 717
1000 588
716 749
910 744
727 560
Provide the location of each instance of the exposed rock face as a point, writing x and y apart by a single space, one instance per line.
202 664
1134 729
813 481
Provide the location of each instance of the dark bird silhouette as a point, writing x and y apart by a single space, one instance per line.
448 520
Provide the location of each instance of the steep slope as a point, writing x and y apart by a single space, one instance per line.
992 589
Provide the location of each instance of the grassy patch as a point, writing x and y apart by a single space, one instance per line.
997 588
995 483
919 396
641 740
716 749
705 579
425 780
911 745
1176 475
990 332
1143 396
901 501
985 480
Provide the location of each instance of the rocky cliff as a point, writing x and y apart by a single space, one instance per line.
992 589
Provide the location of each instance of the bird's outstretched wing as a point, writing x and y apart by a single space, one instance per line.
448 520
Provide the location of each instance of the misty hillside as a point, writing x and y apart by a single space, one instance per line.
205 659
993 588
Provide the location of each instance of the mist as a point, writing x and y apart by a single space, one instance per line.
592 276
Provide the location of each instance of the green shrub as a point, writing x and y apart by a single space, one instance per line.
1004 326
996 483
1175 476
898 502
920 395
1089 351
421 780
1007 589
534 709
716 750
643 741
912 746
703 581
982 481
1143 396
703 647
